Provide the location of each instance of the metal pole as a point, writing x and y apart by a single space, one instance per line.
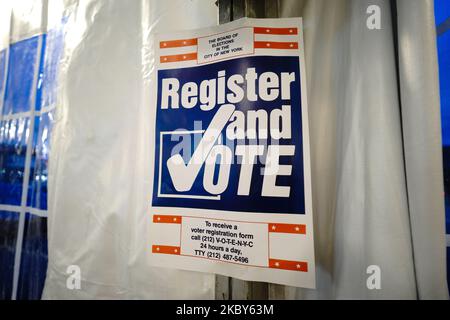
230 288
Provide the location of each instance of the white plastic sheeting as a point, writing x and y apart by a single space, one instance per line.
365 212
28 19
370 209
421 119
99 188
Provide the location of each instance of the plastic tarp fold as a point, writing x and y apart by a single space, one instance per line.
23 145
370 207
421 119
98 176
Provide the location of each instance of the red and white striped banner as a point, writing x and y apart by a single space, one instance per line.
263 38
272 228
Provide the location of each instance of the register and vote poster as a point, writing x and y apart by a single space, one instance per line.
231 161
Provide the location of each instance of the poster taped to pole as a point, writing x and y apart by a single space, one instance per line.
231 161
